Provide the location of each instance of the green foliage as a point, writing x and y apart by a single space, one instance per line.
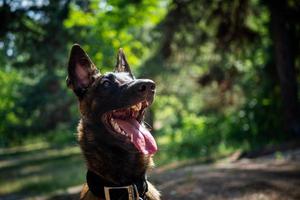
10 83
40 170
213 64
105 26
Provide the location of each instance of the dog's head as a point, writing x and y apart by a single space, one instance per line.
116 100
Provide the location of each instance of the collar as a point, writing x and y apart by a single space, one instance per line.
110 191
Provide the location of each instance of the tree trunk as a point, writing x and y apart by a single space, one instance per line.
285 64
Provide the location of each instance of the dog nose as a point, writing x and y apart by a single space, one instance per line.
146 86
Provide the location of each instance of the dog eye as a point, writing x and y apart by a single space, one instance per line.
106 83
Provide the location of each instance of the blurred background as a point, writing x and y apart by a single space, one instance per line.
227 75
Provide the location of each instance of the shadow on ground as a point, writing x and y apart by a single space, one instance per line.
248 179
40 171
55 174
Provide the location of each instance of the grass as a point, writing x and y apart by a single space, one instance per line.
40 169
167 155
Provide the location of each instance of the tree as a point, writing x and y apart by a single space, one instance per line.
34 43
283 30
237 30
35 37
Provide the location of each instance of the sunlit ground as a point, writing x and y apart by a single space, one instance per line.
39 169
45 171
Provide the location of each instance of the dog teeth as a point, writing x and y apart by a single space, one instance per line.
115 125
137 107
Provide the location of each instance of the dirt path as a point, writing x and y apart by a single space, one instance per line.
255 179
266 178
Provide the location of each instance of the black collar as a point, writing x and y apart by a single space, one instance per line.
98 185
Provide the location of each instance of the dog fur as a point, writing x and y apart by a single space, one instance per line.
110 156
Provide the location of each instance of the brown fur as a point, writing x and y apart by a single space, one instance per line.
109 156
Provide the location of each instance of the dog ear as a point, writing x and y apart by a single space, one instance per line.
81 70
122 64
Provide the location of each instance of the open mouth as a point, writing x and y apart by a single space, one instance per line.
127 122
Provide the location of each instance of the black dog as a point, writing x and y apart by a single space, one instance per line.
117 147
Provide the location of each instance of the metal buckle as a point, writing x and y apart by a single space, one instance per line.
131 189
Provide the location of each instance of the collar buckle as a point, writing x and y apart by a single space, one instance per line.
132 191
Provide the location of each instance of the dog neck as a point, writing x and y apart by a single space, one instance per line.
108 157
103 189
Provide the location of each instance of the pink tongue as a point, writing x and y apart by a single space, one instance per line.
142 138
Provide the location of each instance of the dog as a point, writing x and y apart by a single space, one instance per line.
117 147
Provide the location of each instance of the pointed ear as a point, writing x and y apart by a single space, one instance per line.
122 64
81 70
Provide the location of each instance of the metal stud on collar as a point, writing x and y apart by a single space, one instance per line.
131 189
